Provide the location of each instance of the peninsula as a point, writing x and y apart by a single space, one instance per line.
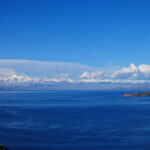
138 94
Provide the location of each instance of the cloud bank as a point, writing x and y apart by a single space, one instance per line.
12 71
141 72
29 71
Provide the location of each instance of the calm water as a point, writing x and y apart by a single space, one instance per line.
74 120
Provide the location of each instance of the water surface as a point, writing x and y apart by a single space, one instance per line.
74 120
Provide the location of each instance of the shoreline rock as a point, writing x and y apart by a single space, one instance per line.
3 148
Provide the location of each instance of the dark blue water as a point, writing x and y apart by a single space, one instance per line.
74 120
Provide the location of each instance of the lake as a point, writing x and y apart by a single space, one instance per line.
74 120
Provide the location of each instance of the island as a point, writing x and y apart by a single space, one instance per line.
138 94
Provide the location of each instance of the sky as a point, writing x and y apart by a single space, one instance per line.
83 39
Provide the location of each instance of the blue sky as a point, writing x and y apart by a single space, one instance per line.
92 35
96 33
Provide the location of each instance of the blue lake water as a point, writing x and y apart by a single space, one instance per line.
74 120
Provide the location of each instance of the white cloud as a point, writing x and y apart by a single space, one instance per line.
24 71
60 78
141 72
45 68
10 76
144 68
131 74
91 75
40 71
128 72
